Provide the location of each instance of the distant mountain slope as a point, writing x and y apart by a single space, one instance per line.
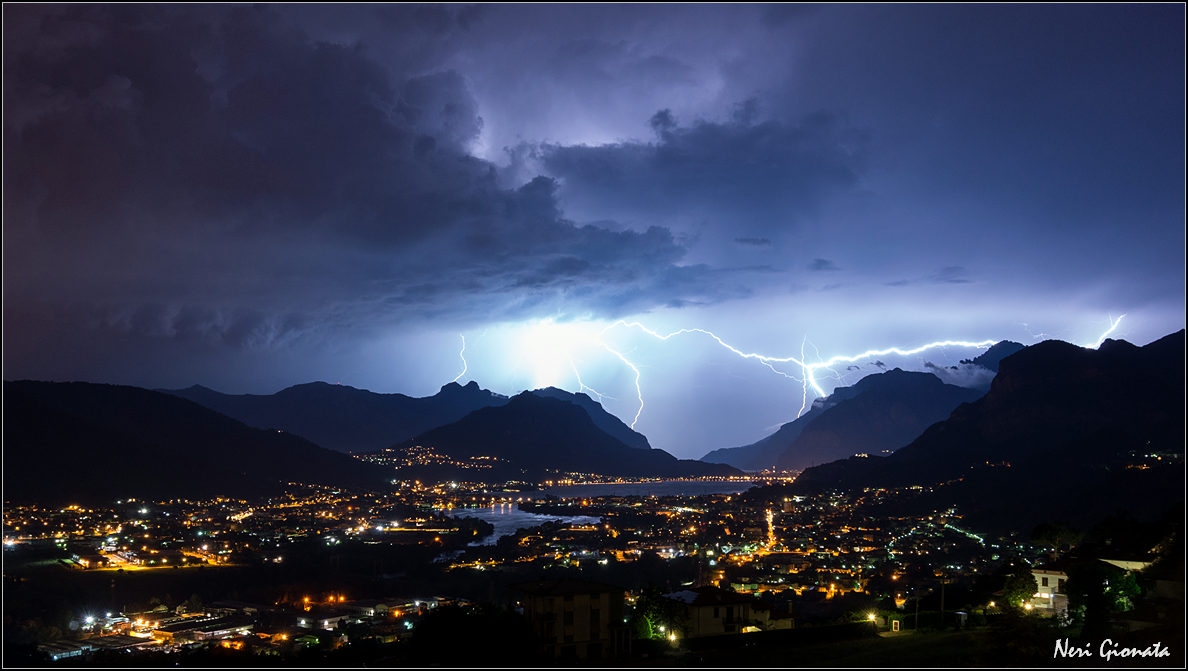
344 418
765 452
885 412
534 437
84 442
1060 434
997 352
877 414
610 424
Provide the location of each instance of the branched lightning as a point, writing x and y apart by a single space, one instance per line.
635 371
803 371
808 370
582 386
462 355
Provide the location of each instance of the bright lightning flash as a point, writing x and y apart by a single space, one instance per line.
807 371
549 350
462 355
1113 326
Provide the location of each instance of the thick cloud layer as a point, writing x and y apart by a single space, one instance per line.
214 174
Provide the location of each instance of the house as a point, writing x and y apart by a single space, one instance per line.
575 619
712 611
1050 598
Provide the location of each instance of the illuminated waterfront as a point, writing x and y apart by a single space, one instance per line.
649 488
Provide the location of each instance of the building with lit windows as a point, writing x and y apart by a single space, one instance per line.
575 619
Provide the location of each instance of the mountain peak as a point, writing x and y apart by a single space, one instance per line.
535 434
317 386
1109 345
877 414
997 352
602 419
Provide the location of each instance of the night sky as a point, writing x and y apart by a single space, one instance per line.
253 197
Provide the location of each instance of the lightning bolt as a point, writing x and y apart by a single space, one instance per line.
634 370
795 368
582 386
1113 325
808 371
462 355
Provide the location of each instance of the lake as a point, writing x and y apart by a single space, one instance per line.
507 518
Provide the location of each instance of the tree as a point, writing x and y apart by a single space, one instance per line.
655 615
484 636
1019 586
1098 591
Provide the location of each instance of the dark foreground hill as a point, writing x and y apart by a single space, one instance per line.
83 443
1064 434
536 437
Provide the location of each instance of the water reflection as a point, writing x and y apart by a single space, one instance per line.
507 518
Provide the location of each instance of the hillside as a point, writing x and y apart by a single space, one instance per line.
876 415
80 442
1063 433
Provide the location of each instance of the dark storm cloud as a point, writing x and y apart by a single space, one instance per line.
595 61
210 174
769 173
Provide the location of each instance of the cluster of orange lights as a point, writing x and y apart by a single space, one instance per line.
333 598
